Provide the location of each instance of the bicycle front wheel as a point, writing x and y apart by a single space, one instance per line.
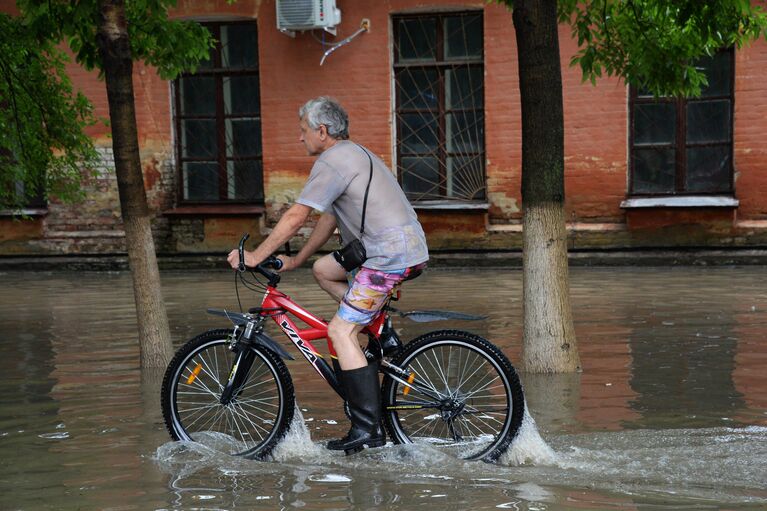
248 423
460 392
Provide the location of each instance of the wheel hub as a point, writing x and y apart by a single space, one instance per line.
451 408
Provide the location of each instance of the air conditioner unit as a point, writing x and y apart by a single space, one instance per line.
298 15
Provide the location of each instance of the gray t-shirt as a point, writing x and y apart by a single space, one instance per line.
393 236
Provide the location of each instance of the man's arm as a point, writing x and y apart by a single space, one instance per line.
287 227
322 232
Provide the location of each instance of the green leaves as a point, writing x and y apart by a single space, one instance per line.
42 143
653 44
171 46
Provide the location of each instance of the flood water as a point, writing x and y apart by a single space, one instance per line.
670 411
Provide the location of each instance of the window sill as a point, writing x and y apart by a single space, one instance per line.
23 212
687 201
215 210
449 205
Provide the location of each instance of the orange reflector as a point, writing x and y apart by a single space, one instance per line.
410 379
194 374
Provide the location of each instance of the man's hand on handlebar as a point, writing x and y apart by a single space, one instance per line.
234 259
280 263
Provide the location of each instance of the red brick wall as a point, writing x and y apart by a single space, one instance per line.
750 151
360 76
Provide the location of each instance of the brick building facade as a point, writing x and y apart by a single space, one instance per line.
432 88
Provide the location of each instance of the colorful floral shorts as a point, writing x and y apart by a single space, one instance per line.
368 292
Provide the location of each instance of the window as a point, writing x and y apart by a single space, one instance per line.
19 194
439 81
218 122
684 146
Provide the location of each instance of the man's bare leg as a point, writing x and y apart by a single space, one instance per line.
330 276
344 337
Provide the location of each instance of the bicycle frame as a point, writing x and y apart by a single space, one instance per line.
277 305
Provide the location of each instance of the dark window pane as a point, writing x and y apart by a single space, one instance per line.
199 139
708 121
465 132
708 169
417 88
208 63
416 39
464 88
463 37
245 180
718 71
420 178
419 133
200 181
465 178
243 137
239 45
241 95
654 171
198 95
654 123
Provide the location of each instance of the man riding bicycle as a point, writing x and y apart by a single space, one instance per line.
356 192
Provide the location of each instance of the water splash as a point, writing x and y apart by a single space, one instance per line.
528 447
297 443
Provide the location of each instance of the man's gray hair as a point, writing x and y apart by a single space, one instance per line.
327 111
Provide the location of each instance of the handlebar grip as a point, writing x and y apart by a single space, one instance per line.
241 249
274 263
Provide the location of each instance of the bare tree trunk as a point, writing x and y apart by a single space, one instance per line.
114 48
549 343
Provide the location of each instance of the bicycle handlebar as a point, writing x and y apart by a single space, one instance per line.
270 263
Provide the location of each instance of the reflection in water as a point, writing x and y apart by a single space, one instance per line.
670 410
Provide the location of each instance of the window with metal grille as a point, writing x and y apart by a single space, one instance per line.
34 199
218 121
439 115
684 145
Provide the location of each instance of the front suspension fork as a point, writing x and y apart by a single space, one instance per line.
238 375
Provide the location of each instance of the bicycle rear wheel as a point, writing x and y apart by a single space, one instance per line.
462 393
252 421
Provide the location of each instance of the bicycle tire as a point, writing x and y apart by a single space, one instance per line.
455 366
256 419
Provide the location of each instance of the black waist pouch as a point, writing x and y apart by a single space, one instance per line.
351 256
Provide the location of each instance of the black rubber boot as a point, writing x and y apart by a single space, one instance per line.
364 397
339 376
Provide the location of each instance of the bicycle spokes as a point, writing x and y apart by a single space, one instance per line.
234 400
449 392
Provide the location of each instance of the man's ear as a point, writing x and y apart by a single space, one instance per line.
323 132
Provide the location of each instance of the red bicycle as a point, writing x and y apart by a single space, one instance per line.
446 388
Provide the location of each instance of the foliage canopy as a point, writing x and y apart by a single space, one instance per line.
42 119
42 143
654 44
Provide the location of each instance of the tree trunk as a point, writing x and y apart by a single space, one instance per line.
549 343
114 49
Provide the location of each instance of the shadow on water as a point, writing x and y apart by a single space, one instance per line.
669 413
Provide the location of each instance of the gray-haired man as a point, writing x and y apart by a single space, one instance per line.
393 238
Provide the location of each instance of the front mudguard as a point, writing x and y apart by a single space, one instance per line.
270 344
